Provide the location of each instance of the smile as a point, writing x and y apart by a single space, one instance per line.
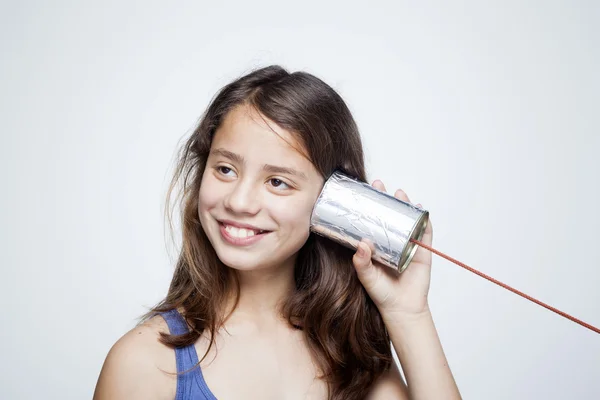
241 232
241 236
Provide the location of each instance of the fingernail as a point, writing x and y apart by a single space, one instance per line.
361 251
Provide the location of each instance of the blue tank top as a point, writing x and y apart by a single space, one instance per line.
191 385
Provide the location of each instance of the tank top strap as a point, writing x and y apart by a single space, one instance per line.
176 323
186 356
191 384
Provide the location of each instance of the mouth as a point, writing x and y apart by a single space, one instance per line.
240 234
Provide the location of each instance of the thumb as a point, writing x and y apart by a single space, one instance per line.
362 260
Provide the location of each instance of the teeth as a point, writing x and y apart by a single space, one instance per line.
239 232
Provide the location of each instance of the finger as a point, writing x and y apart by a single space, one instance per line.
377 184
400 194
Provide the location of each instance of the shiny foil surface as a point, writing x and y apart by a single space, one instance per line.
348 210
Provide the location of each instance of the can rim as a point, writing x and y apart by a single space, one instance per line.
417 232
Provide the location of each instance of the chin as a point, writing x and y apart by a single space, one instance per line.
241 262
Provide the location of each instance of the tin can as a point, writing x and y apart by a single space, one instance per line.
348 210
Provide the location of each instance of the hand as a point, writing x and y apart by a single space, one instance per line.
396 295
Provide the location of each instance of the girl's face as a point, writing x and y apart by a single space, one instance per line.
257 193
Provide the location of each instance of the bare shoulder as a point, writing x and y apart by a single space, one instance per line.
390 386
138 366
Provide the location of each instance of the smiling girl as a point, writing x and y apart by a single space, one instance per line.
259 307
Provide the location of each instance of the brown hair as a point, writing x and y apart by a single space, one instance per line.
345 332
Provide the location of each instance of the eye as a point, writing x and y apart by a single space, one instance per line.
223 170
279 184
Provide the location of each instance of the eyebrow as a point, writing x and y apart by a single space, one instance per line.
274 169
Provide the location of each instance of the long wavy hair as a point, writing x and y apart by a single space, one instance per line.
345 332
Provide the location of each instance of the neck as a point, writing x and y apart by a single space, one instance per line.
263 291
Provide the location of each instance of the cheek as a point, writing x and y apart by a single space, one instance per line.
294 213
208 196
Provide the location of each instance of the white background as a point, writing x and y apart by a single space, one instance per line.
485 112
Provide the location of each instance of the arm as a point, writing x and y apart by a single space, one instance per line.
420 352
402 302
423 361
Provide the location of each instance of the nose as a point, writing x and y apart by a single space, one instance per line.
243 198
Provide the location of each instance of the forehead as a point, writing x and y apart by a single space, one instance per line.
247 132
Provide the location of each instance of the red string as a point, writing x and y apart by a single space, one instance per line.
489 278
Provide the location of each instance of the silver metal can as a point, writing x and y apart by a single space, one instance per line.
348 210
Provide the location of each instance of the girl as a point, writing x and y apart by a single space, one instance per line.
275 311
